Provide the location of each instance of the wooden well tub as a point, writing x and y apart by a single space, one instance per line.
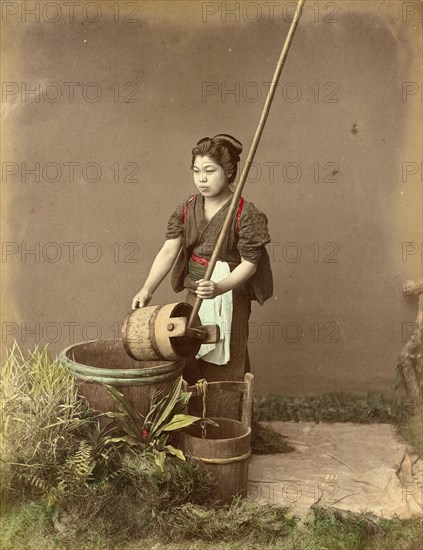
106 361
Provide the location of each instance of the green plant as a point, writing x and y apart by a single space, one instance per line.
41 414
52 446
152 431
39 403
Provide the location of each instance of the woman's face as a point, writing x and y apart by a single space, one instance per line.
209 177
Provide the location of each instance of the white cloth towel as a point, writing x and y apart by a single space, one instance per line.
217 311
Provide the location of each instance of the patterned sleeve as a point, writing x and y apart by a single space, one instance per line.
174 225
253 233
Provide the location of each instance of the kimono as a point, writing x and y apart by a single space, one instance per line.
247 237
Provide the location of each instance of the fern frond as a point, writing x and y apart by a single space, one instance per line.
78 468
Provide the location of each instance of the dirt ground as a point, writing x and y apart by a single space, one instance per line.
356 467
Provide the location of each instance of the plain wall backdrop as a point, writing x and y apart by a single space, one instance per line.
122 97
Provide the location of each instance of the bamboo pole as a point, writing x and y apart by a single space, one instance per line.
250 157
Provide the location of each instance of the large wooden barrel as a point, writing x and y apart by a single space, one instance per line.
106 361
158 332
225 450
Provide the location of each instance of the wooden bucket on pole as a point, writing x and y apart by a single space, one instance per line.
158 332
225 450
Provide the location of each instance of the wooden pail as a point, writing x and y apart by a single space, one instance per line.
106 361
225 450
158 332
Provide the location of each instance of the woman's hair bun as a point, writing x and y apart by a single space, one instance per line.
237 145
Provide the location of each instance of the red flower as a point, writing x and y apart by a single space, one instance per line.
144 434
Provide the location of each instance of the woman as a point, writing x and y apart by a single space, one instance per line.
192 232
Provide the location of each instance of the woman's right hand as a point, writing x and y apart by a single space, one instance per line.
142 298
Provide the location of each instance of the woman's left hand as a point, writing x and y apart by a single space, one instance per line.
207 289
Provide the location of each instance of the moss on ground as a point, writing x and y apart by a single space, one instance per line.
29 526
266 440
367 408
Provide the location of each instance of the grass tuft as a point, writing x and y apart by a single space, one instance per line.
331 407
242 519
266 440
412 430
